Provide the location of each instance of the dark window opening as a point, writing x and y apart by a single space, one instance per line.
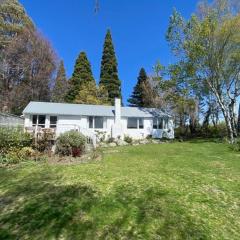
98 122
53 121
132 123
34 120
155 123
141 125
90 121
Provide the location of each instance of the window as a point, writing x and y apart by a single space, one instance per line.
95 122
135 123
98 122
132 123
41 120
158 123
141 125
90 121
53 121
155 123
34 120
38 120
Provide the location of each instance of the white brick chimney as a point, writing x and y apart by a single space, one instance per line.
117 110
117 131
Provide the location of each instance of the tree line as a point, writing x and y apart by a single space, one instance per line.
203 86
199 89
31 71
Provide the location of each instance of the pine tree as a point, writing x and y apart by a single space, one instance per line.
109 72
13 19
61 84
82 74
138 96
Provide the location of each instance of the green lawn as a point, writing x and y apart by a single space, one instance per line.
167 191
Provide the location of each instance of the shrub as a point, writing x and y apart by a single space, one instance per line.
110 140
236 145
128 139
13 138
44 142
101 135
218 131
15 155
149 137
28 152
70 143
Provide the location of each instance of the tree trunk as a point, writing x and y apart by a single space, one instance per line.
206 118
228 125
226 113
238 121
233 118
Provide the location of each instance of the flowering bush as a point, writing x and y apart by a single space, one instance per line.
70 143
13 138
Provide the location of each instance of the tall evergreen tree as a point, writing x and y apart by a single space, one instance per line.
138 96
61 84
109 72
82 74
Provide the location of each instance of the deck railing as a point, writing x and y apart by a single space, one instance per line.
61 128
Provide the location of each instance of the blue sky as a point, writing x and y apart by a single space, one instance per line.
138 29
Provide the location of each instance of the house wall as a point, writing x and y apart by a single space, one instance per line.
80 123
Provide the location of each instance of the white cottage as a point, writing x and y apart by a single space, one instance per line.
112 121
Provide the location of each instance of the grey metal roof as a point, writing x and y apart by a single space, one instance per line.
89 110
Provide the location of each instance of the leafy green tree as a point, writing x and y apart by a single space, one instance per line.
82 75
138 97
91 94
208 49
109 72
61 85
13 19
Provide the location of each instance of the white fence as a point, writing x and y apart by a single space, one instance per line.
10 120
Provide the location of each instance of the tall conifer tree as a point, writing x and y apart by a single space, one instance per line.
60 88
137 98
82 74
109 72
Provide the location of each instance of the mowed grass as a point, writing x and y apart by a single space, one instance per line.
169 191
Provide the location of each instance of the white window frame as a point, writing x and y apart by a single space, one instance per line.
164 123
37 122
93 127
137 123
50 121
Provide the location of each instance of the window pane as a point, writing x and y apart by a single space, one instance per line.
90 121
98 122
34 120
132 123
41 120
155 123
141 126
160 123
53 121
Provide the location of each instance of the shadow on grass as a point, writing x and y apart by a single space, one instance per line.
38 207
204 140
